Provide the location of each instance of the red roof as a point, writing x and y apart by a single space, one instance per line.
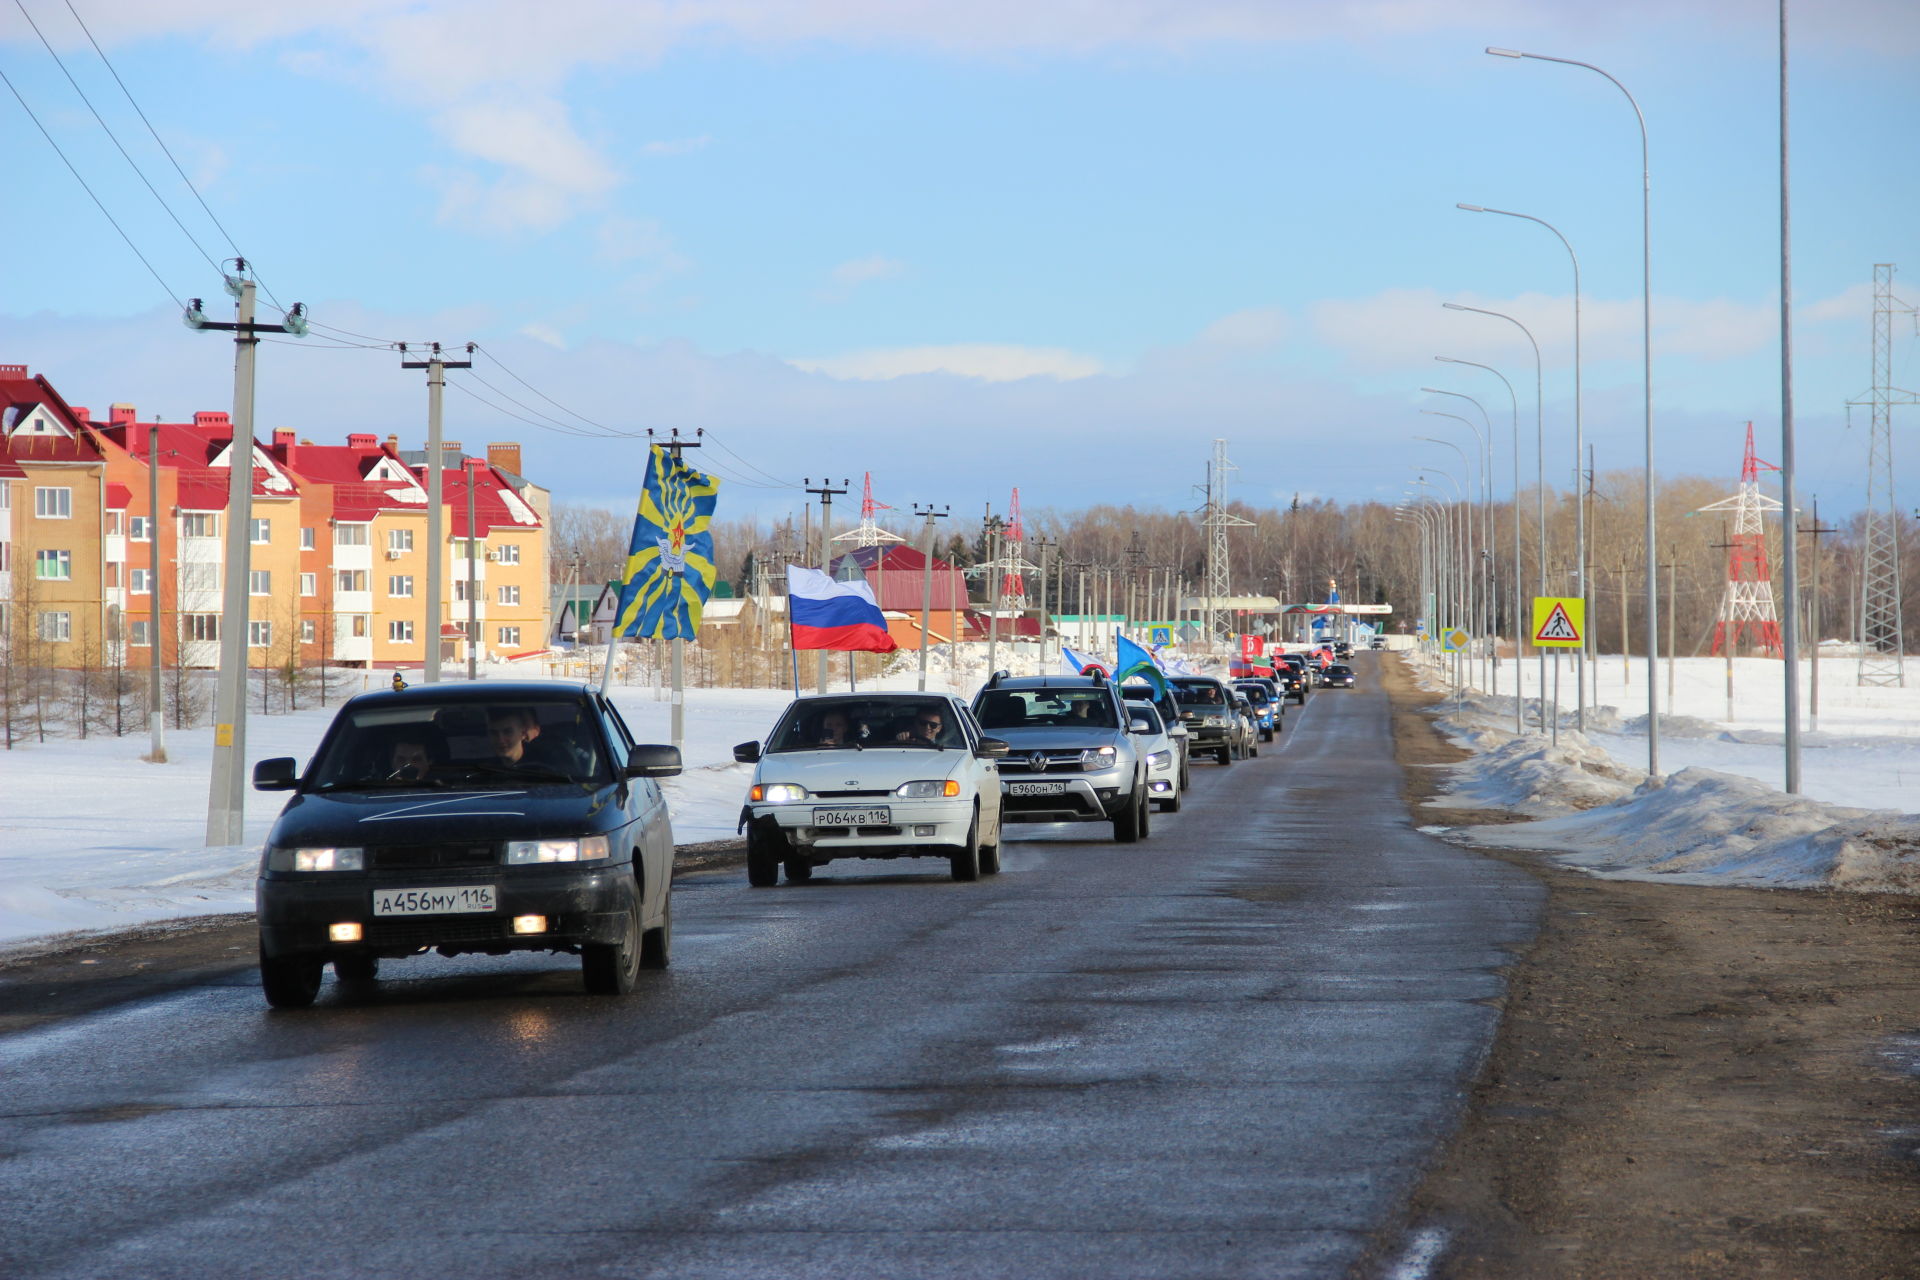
367 477
119 497
20 395
496 506
897 574
190 450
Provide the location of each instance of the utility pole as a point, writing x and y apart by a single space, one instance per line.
156 712
473 581
1817 532
436 367
226 787
826 493
1672 566
929 514
1044 545
994 526
677 716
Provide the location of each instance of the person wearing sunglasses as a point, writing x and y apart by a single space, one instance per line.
926 728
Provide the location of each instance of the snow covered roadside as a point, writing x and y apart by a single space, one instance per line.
1694 826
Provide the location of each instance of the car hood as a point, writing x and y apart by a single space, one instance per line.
871 769
434 815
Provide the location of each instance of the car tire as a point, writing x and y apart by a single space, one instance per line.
1127 824
1171 804
357 969
990 855
1266 735
611 968
1224 755
799 871
1186 774
290 982
1253 747
763 861
965 861
1146 814
656 944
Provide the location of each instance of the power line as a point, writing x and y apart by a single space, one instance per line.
98 203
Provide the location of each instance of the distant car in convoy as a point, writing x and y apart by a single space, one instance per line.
882 775
490 817
1206 705
1378 642
1168 707
1294 671
1073 751
1165 783
1338 676
1268 708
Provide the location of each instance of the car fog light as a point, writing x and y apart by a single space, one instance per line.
529 924
1160 784
343 933
924 829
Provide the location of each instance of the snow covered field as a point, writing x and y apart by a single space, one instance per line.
93 838
1720 817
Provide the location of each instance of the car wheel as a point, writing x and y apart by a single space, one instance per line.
799 871
763 861
1253 747
656 944
965 861
1266 735
1186 774
356 968
1224 755
290 982
1127 825
611 968
990 855
1171 804
1146 814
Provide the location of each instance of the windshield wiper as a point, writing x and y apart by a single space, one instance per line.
380 784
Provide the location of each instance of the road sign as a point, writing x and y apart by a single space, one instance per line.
1454 640
1559 621
1160 636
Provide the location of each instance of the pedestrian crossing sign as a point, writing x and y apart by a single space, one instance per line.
1160 635
1559 621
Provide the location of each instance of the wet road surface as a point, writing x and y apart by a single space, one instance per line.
1225 1051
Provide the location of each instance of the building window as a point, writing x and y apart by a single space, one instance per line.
140 528
510 636
309 584
140 582
259 582
460 589
357 626
350 535
509 553
51 502
6 559
399 539
400 631
140 632
56 627
200 524
306 631
202 626
262 530
113 573
400 584
350 580
259 635
306 539
469 548
509 595
199 576
6 497
53 566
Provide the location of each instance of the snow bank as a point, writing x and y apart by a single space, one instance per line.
1531 776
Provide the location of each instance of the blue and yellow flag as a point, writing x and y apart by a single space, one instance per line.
670 561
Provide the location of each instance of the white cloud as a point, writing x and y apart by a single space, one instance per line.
1249 330
988 362
545 333
676 146
848 276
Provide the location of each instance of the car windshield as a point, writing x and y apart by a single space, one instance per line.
1254 694
1339 671
1085 708
462 743
1199 694
829 724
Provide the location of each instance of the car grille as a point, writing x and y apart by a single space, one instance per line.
405 857
851 795
443 931
1052 762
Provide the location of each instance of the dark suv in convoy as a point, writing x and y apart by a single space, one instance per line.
1214 723
1292 673
1269 709
1071 754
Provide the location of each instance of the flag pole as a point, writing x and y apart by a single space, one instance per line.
791 651
606 671
678 714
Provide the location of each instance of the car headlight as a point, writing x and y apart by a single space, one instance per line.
335 859
777 792
927 789
1095 758
586 849
1160 759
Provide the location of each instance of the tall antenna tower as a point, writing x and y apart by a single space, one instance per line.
868 533
1217 521
1013 588
1882 645
1746 608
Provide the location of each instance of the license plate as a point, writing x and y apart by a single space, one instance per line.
1036 788
452 900
879 816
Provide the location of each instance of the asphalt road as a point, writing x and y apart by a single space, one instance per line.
1226 1051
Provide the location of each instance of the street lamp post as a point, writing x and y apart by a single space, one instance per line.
1646 362
1540 482
1483 623
1519 701
1579 450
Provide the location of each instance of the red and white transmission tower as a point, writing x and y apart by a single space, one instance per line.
1747 608
1013 587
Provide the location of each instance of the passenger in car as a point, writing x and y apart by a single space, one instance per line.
511 730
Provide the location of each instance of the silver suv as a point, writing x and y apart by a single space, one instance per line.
1071 752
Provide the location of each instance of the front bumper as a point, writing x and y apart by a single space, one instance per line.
920 828
582 904
1084 797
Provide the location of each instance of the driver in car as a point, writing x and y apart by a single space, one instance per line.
925 728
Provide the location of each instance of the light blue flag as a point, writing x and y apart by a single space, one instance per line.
1130 660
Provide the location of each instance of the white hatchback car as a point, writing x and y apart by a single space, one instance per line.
1163 758
872 775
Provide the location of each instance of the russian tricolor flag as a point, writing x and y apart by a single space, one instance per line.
825 614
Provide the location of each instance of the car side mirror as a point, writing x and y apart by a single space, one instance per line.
991 749
275 775
653 760
1139 724
747 753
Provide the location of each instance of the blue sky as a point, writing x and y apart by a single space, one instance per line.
1060 245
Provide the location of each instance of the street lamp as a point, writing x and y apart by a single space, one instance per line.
1480 619
1519 701
1486 522
1540 480
1646 364
1579 451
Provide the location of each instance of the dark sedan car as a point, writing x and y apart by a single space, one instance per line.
487 818
1337 676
